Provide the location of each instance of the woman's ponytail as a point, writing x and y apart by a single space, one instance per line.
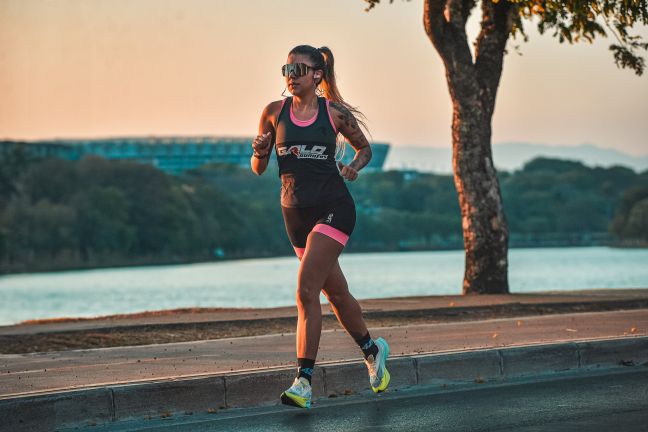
329 87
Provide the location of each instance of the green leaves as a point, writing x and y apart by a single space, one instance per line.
573 20
99 212
626 58
631 218
576 20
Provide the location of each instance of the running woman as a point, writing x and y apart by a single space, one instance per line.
318 210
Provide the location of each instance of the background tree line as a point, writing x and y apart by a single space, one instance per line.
57 214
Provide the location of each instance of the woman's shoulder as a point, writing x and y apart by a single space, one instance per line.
276 105
274 108
341 116
271 111
338 107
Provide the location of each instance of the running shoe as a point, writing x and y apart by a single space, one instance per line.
378 374
299 394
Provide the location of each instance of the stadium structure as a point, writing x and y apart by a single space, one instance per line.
172 155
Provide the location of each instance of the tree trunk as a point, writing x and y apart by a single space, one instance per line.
473 88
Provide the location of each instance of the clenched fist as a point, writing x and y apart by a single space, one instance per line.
261 144
347 172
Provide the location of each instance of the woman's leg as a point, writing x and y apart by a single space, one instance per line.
344 305
320 256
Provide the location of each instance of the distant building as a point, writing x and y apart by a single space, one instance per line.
170 154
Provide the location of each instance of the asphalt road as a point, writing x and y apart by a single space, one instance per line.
612 401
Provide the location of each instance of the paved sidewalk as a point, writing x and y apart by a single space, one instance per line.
23 374
49 391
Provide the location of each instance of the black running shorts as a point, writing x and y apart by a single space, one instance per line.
335 220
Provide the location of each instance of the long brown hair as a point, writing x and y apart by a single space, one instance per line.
322 59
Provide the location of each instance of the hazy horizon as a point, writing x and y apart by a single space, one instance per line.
77 69
511 156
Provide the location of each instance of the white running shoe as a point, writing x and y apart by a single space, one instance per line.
378 374
299 394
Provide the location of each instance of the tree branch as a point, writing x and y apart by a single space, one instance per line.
498 18
445 25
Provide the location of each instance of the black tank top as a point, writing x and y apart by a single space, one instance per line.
306 157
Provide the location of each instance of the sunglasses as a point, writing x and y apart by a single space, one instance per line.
296 69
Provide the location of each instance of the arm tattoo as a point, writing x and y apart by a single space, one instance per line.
351 131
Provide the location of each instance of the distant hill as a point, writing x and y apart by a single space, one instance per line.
511 156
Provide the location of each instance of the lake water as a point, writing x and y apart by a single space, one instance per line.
271 282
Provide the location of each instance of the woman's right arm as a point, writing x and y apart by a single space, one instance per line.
264 141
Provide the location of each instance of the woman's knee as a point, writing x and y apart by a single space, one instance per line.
307 293
336 288
338 298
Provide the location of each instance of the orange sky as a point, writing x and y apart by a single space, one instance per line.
95 68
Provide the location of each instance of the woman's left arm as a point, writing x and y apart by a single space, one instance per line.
347 125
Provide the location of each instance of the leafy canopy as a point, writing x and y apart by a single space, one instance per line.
577 20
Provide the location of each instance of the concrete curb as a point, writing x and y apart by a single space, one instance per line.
94 406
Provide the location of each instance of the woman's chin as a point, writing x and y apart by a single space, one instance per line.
298 91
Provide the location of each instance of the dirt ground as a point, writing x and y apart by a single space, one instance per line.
183 332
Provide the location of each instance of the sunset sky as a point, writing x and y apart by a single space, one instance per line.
99 68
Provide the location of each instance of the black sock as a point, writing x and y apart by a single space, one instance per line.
368 346
305 368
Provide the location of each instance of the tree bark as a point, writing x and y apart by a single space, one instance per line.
473 88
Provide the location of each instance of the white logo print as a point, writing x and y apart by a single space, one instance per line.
329 218
316 152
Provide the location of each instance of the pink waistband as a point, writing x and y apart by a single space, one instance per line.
334 233
299 251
